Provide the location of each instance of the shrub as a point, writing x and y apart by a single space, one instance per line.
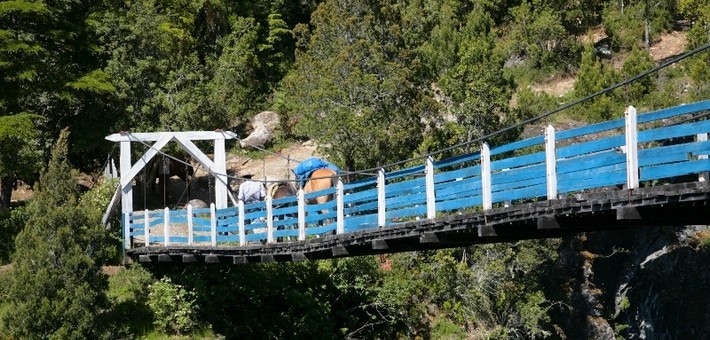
174 307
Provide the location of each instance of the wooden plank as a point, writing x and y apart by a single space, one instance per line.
674 111
164 258
468 172
189 258
627 213
602 144
268 258
675 131
517 145
519 174
297 257
417 170
339 250
586 162
456 204
406 212
519 161
535 191
154 136
676 169
519 184
429 238
408 186
590 129
380 244
547 222
456 160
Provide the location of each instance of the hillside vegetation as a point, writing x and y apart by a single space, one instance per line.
372 83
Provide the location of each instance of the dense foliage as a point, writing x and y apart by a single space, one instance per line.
372 82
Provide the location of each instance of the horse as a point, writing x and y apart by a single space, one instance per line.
183 170
281 190
321 179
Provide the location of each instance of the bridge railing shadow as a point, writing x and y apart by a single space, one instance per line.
630 152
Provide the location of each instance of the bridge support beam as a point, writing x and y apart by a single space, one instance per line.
551 162
381 205
632 159
486 176
430 192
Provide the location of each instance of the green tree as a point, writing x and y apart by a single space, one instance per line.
350 87
638 62
48 67
56 287
19 153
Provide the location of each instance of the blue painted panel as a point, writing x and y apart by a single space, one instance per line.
677 169
255 206
361 196
457 160
255 215
255 237
286 233
361 183
177 239
201 211
514 194
519 184
472 171
517 145
458 204
408 212
671 157
406 172
320 230
285 200
403 201
593 146
202 229
360 209
227 238
286 222
470 186
585 162
519 174
694 148
589 129
690 129
285 210
562 179
405 185
673 111
318 193
513 162
354 222
607 179
204 239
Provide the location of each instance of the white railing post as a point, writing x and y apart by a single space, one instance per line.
126 191
703 176
240 221
166 227
146 227
213 224
220 174
551 162
429 185
127 230
632 162
269 220
486 176
340 197
190 234
381 207
301 215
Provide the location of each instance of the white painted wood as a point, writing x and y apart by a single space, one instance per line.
301 215
143 161
166 227
551 162
195 153
269 219
242 232
146 227
190 233
632 165
213 224
111 207
703 176
220 170
154 136
126 230
126 191
486 176
381 205
430 190
340 202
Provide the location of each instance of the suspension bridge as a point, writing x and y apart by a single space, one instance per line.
640 170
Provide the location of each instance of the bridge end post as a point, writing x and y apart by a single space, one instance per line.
703 176
430 191
381 204
486 176
551 162
340 228
301 215
632 162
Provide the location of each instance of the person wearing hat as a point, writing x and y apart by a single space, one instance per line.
250 191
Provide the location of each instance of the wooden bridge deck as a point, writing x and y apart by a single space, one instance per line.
665 205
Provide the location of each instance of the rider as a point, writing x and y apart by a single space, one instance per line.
251 191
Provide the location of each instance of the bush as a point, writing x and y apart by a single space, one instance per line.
174 307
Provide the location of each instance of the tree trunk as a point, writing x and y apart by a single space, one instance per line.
6 183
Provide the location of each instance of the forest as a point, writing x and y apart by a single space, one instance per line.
374 83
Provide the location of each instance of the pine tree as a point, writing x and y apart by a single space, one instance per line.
56 288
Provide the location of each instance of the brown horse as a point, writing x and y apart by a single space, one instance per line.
321 179
281 190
